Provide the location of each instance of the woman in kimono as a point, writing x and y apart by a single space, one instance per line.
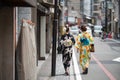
83 41
67 40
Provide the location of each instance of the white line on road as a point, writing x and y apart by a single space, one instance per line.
76 68
116 59
72 77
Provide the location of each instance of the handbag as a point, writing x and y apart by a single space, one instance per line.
68 42
92 48
60 48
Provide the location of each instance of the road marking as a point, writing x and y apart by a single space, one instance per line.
76 68
72 77
116 59
115 40
110 76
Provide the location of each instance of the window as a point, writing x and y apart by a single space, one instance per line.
95 14
96 1
95 8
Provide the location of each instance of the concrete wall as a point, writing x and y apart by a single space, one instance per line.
7 51
48 34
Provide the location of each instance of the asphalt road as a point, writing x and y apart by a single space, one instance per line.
105 62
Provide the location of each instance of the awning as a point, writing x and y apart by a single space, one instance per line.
47 4
59 7
88 17
43 10
89 24
116 19
22 3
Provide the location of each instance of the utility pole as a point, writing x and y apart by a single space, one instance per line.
82 8
67 10
106 7
54 39
91 10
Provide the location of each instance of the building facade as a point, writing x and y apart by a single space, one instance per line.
96 12
110 17
12 46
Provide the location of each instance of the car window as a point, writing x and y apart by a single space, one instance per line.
97 27
74 28
89 30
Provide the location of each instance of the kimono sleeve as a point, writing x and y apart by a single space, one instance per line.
78 43
91 39
62 39
73 40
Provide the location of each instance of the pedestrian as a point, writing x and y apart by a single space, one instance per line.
104 35
67 40
83 41
64 28
79 29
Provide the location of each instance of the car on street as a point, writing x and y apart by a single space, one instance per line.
97 30
74 30
89 30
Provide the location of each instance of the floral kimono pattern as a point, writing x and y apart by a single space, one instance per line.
84 49
67 40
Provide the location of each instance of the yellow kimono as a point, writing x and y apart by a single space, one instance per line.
84 49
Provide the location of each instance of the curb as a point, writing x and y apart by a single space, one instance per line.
76 68
72 74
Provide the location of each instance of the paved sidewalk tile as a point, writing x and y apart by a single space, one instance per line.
45 71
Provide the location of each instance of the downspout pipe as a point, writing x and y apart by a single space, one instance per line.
119 19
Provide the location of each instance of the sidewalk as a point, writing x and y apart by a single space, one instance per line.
111 39
45 70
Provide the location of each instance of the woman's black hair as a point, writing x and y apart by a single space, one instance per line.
67 29
83 28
